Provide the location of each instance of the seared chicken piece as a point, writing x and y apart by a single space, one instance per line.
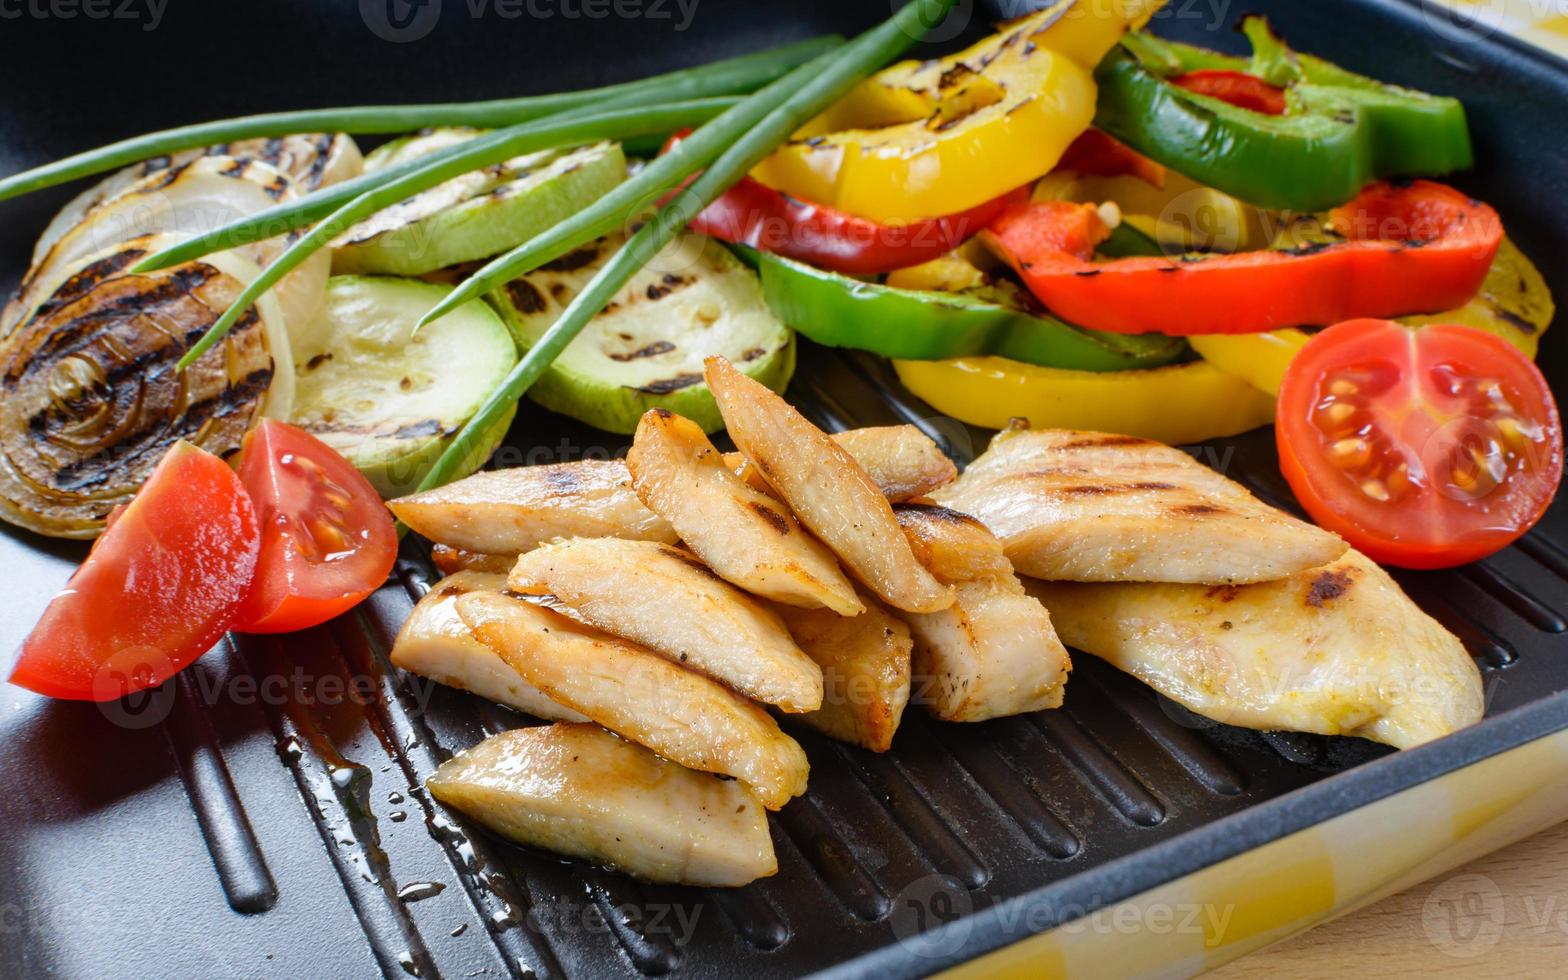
865 671
1337 650
507 512
827 489
902 461
665 598
450 561
581 791
992 653
952 546
743 534
638 694
1092 507
435 643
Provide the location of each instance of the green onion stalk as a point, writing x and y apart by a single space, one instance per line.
750 132
728 77
567 129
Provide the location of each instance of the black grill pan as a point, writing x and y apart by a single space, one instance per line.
223 828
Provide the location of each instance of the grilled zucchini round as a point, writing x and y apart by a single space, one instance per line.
388 399
646 349
478 214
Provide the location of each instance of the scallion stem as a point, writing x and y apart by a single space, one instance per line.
784 106
568 129
728 77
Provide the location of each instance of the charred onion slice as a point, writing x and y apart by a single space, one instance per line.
90 400
311 160
183 201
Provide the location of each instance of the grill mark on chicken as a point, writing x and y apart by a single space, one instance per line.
1198 510
1327 587
561 480
774 519
1104 442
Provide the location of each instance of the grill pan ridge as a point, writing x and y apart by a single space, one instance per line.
218 829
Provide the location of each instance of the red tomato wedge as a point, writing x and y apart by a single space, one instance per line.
327 540
1423 447
1240 89
158 589
752 213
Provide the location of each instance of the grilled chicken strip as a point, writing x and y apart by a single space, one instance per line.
1337 650
666 599
507 512
638 694
581 791
902 461
827 489
743 534
865 671
992 653
435 643
952 546
1092 507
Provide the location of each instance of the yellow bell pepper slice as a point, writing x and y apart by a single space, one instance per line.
928 138
1514 303
1179 404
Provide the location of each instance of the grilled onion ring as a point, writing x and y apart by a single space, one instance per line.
89 398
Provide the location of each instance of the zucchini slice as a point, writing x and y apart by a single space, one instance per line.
695 299
478 214
388 399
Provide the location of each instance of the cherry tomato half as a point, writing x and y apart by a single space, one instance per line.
1424 447
327 540
158 589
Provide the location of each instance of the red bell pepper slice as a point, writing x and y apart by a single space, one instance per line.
1413 247
1097 154
751 213
1236 87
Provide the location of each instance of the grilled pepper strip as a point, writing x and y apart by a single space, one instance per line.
1415 248
1339 132
751 213
930 138
842 312
1177 404
1514 303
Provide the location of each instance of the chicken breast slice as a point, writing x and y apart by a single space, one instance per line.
639 695
865 663
900 459
952 546
1093 507
435 643
830 492
507 512
1337 650
744 535
579 790
666 599
992 653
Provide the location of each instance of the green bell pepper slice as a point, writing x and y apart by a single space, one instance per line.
841 311
1340 130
